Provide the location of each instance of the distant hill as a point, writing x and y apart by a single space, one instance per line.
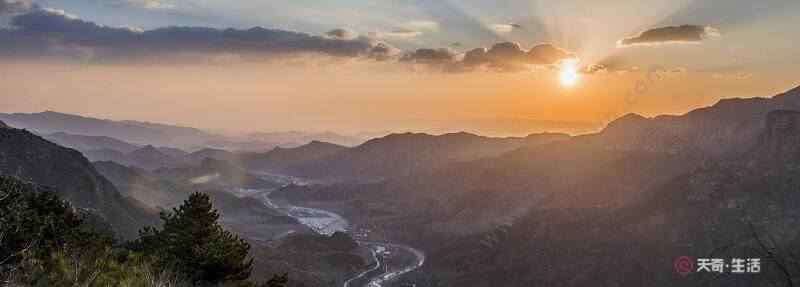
281 159
162 135
90 143
172 152
32 158
413 153
129 131
301 138
149 157
199 156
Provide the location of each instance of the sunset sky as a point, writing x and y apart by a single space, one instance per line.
400 65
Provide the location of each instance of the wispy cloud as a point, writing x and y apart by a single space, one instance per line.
422 25
144 4
671 34
397 34
505 28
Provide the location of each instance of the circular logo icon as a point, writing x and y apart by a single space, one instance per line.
683 265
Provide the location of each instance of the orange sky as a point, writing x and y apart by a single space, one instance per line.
357 95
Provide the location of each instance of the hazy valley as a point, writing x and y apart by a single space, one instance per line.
611 208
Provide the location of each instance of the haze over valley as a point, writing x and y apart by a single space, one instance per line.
399 143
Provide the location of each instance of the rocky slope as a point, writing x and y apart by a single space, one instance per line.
32 158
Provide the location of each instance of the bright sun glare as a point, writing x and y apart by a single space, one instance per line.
568 75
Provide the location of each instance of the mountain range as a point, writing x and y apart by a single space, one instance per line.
32 158
407 154
161 135
613 208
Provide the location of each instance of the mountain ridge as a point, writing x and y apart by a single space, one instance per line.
32 158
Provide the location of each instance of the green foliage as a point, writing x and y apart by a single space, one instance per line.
45 242
193 242
108 267
32 221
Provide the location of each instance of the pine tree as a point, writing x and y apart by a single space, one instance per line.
193 242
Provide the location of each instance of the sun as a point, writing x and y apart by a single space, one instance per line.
568 73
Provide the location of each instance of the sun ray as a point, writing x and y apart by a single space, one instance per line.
568 73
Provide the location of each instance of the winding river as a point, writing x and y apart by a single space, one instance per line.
326 223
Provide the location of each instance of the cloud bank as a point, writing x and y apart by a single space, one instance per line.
503 57
8 7
671 34
41 33
46 32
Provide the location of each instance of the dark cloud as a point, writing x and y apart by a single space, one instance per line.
342 34
42 31
671 34
431 56
510 56
504 57
475 57
383 52
8 7
547 54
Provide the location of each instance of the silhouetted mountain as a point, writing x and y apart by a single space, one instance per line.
172 152
107 155
781 139
129 131
296 138
89 143
280 159
611 168
624 201
407 154
149 158
199 156
727 207
731 126
32 158
608 209
161 135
